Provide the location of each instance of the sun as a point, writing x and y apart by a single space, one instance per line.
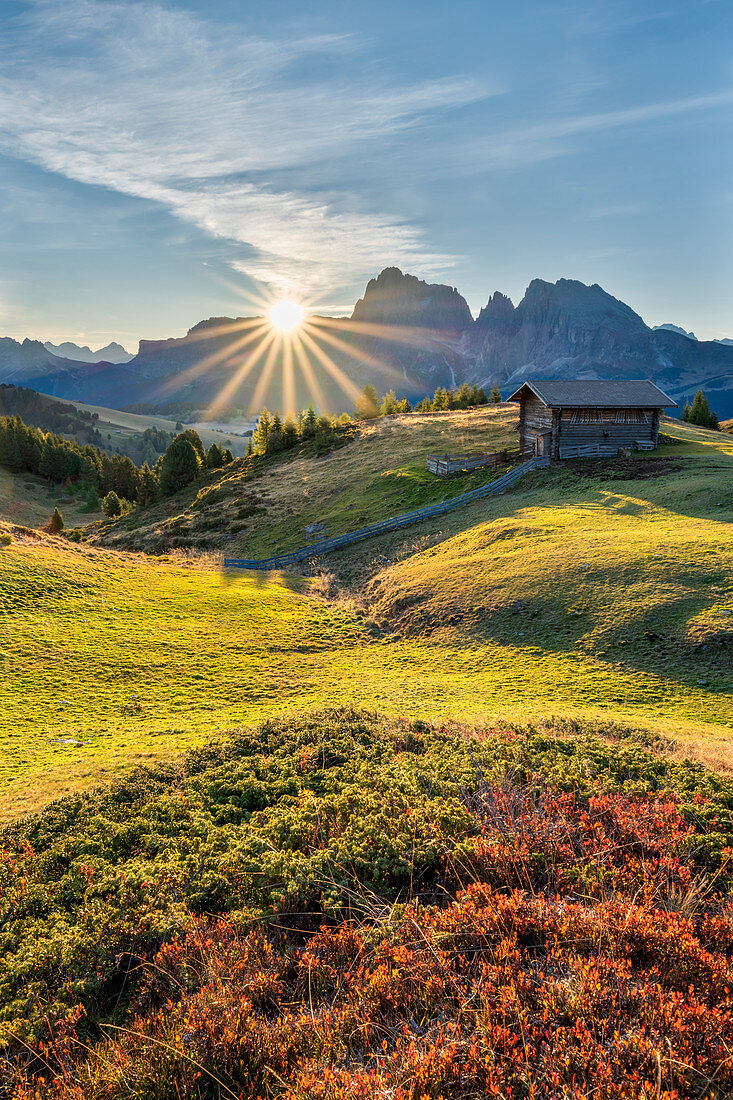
285 315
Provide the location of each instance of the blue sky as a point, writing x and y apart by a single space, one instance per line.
165 162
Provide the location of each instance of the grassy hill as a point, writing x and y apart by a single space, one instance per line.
484 865
123 427
262 506
593 590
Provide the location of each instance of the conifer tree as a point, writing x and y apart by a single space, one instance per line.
147 492
440 399
262 432
112 505
56 522
195 439
214 457
367 404
701 413
389 404
310 420
180 465
290 431
495 397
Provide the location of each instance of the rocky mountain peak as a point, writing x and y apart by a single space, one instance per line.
394 298
569 302
669 327
499 309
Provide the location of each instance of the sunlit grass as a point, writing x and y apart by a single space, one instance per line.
138 658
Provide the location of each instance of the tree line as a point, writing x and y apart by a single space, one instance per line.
700 413
115 478
369 406
273 433
46 413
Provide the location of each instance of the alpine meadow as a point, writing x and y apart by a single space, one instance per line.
366 641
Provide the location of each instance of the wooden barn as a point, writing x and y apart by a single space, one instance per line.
575 419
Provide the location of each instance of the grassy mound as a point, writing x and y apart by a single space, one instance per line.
341 905
263 506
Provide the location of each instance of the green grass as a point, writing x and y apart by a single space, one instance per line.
258 509
29 501
580 593
139 658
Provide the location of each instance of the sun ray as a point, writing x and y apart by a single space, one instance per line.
262 382
257 300
288 375
306 367
399 334
213 359
325 360
214 331
362 356
241 373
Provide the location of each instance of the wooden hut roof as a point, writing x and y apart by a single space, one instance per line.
596 393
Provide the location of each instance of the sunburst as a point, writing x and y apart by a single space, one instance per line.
287 339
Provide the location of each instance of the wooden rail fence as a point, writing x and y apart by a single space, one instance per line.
393 524
447 465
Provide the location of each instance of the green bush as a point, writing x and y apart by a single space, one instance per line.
5 538
112 505
318 816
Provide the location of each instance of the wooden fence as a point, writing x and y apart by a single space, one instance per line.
406 519
448 465
589 450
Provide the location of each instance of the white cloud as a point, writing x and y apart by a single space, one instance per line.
526 145
158 104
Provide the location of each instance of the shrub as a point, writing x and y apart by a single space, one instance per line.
337 905
56 522
112 505
5 538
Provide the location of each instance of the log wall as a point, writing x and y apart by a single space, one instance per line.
534 419
606 432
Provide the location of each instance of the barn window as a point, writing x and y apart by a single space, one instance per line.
586 416
631 416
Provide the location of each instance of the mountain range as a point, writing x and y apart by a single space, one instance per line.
404 334
110 353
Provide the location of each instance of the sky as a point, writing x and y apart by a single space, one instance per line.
163 162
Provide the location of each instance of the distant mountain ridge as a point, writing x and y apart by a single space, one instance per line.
110 353
404 334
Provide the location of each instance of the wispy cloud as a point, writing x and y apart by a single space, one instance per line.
526 145
159 104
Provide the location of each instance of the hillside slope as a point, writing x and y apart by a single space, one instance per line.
260 507
580 595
